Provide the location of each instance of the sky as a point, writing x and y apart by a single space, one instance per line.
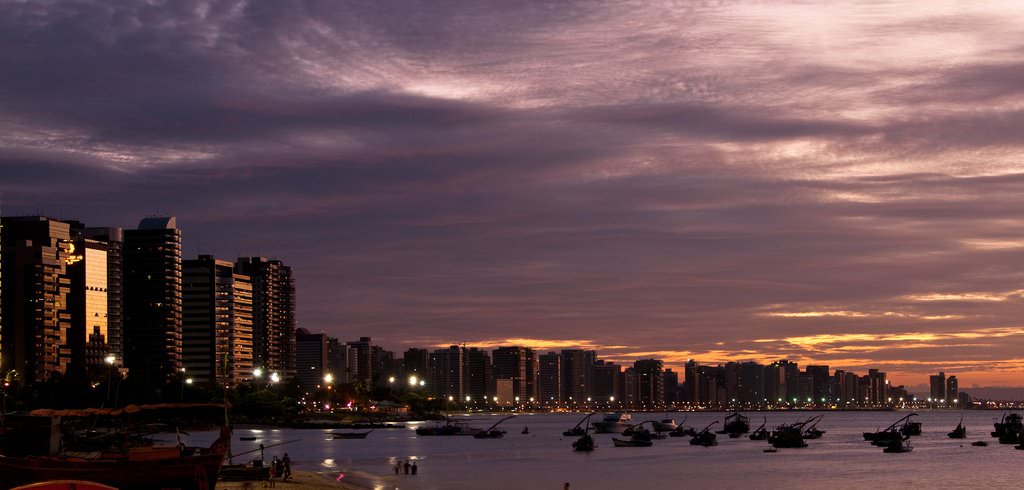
829 182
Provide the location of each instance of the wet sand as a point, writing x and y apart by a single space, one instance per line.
352 480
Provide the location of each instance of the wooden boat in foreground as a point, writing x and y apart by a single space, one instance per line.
33 453
350 435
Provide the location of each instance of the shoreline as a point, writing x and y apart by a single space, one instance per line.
318 480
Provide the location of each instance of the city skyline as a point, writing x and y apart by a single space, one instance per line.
832 184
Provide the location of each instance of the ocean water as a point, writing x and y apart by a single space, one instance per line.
544 459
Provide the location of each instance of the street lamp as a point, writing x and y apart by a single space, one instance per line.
329 378
110 372
274 377
257 373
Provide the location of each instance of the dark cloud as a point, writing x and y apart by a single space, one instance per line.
663 178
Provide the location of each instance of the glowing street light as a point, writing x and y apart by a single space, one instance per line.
391 380
257 373
188 381
328 378
110 360
274 377
413 380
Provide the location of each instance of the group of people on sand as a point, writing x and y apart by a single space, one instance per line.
279 467
399 467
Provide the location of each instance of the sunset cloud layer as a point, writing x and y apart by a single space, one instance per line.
828 182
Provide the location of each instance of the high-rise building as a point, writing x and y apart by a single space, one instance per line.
312 361
88 303
114 240
691 382
273 287
477 373
217 323
519 365
416 362
152 299
446 369
577 373
952 390
37 321
711 384
775 382
878 391
938 386
671 383
608 382
364 366
820 383
751 385
650 382
549 389
732 381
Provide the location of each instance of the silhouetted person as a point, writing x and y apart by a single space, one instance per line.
414 467
287 463
407 465
398 467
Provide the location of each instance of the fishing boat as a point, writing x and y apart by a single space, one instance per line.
493 432
960 432
901 446
584 444
1011 423
812 431
979 443
526 430
736 423
894 432
449 428
350 435
248 438
613 423
705 437
681 430
580 429
35 450
638 438
664 425
789 436
760 433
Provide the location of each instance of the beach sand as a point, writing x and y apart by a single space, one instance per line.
352 480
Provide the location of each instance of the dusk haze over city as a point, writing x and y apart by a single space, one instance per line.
651 185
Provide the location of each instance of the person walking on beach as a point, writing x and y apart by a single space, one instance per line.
398 467
414 467
287 462
407 467
272 474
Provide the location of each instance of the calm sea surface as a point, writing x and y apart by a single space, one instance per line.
544 459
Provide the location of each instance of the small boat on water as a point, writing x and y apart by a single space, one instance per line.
960 432
638 438
736 423
613 423
1009 428
580 428
760 433
681 431
449 428
788 436
493 432
705 437
664 425
979 443
526 430
895 432
812 431
584 444
350 435
248 438
902 446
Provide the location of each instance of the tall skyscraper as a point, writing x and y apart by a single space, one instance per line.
88 303
216 322
671 386
577 373
608 382
519 365
312 361
446 367
775 382
549 389
152 299
691 384
878 390
938 386
650 381
751 383
477 374
820 382
952 390
364 371
114 240
37 321
273 286
416 362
